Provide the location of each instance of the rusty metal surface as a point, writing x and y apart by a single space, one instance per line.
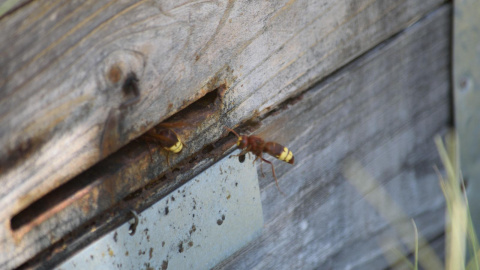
195 227
466 73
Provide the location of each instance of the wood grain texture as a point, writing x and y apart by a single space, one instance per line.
383 109
57 58
59 93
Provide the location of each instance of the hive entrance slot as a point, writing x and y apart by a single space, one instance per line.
207 104
59 198
46 203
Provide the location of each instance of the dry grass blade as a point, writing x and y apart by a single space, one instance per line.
416 245
394 255
456 224
378 197
459 226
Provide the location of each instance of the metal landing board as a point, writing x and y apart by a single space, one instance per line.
195 227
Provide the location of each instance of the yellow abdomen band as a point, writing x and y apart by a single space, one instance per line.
286 155
177 147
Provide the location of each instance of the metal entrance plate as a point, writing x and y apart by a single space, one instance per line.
195 227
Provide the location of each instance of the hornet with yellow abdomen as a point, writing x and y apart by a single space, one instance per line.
168 139
258 146
279 151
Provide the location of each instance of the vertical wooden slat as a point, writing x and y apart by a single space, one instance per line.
466 78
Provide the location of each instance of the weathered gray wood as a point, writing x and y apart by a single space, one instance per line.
387 105
9 6
384 110
60 95
466 81
60 80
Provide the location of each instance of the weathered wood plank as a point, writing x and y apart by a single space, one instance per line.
65 63
264 57
388 119
384 110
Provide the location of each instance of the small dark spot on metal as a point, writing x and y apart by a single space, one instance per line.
148 267
180 247
115 235
166 210
173 199
241 158
150 254
190 244
193 229
145 231
164 265
91 257
223 217
126 253
219 222
236 184
228 197
163 243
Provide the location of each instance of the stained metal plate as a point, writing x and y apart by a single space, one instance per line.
195 227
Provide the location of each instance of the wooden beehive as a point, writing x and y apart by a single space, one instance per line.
330 79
